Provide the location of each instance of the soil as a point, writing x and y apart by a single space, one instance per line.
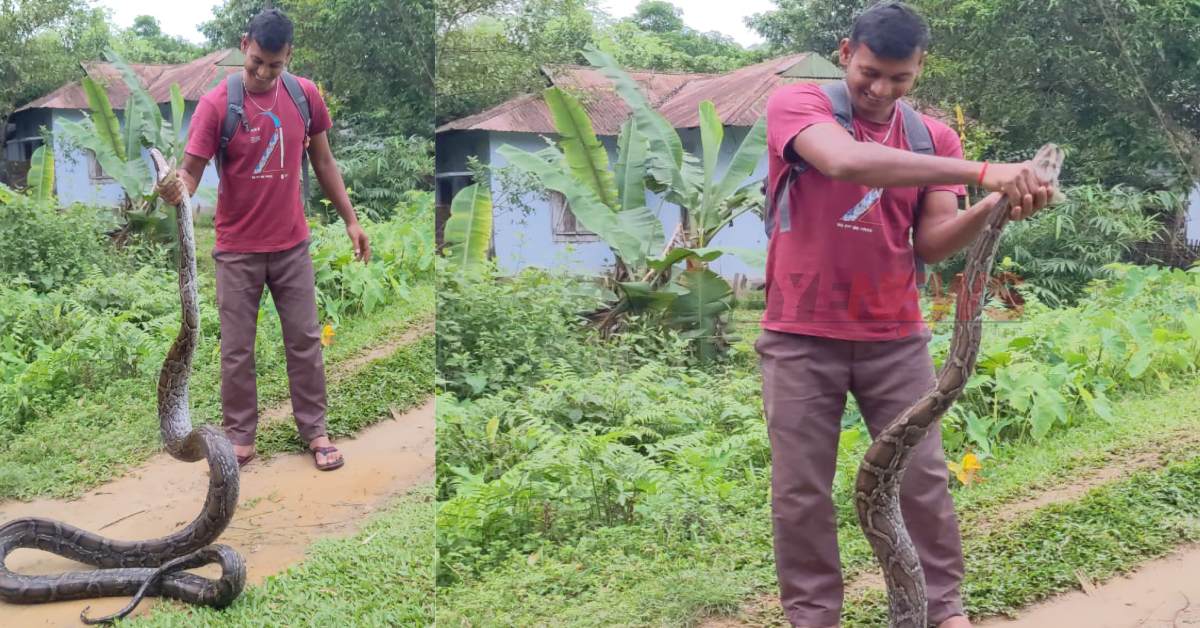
285 505
1164 593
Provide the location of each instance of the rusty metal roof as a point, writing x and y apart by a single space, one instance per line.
740 96
529 113
195 78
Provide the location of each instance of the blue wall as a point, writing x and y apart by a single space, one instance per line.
522 240
74 185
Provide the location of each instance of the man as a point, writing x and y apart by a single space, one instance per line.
842 303
262 233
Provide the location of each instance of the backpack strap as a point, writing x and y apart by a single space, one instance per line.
235 114
919 141
296 91
777 204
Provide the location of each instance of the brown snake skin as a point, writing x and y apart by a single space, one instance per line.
877 489
152 567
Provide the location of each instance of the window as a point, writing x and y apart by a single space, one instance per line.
95 172
566 227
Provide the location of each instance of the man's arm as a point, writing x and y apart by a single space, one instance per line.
331 182
942 230
837 155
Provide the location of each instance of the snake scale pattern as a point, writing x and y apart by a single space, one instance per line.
153 567
877 487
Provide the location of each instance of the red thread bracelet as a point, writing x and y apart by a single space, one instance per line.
982 172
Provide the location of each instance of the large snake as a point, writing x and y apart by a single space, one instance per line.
877 488
155 566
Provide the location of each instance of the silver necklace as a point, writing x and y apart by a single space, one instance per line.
274 100
891 126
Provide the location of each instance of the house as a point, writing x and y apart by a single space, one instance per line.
78 177
544 233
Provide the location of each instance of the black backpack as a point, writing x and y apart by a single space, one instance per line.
919 141
235 114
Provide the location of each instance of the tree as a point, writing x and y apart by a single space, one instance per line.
347 46
145 42
41 44
658 16
1112 80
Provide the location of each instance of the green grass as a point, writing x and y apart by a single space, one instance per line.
637 575
101 436
382 576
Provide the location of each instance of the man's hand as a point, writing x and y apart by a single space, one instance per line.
1027 194
358 239
172 188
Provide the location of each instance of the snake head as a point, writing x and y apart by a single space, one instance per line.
1047 163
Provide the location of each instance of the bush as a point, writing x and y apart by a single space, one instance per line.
402 252
1062 249
377 168
49 248
495 332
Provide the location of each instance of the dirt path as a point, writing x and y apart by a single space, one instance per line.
763 610
1164 593
286 505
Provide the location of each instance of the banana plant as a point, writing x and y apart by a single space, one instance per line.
612 204
469 228
118 148
40 179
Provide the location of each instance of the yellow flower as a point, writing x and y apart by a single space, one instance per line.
967 470
327 335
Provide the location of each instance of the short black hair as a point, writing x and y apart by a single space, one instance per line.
271 29
892 30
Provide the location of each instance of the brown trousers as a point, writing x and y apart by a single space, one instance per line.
805 381
240 281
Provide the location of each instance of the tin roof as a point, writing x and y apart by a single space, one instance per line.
194 79
740 96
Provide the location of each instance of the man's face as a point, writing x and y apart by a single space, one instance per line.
875 82
262 67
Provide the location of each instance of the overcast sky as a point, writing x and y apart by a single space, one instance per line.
176 18
182 18
727 18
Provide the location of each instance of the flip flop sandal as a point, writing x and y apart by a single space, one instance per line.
245 460
326 451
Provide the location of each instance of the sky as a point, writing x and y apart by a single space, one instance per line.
727 18
176 18
182 18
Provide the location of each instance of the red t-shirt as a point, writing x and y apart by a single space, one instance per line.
259 209
845 268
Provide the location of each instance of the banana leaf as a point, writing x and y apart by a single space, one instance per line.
631 166
665 148
469 228
40 178
585 155
699 309
103 117
630 233
147 116
712 133
177 111
678 254
133 176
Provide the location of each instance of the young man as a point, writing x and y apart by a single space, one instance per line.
842 304
262 233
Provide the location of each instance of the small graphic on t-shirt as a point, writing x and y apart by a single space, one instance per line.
860 213
275 141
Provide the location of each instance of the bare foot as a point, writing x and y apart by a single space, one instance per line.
324 453
958 621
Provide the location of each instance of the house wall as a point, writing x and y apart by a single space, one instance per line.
73 183
523 239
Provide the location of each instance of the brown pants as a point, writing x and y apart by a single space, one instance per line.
240 280
805 381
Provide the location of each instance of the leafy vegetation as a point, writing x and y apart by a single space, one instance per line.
643 480
381 576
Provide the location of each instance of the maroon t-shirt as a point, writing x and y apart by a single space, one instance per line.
259 209
845 267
